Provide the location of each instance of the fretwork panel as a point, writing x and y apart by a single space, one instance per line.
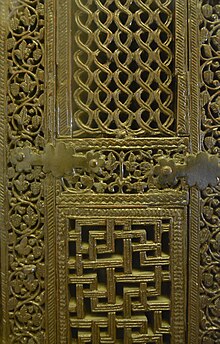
119 281
123 67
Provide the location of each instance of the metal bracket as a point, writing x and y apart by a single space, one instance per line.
199 170
59 159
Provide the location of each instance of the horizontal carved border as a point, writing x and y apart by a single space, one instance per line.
84 144
168 199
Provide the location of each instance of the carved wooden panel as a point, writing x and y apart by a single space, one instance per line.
119 73
128 166
126 282
108 253
23 285
123 68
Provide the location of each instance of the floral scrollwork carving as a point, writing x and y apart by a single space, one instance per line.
118 171
210 201
25 110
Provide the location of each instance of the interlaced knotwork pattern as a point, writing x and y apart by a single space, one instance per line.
122 66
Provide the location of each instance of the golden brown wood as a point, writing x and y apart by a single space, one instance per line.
100 241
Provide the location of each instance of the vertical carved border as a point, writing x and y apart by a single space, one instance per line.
64 75
50 188
204 300
178 271
194 207
181 66
22 125
194 68
62 276
209 49
3 231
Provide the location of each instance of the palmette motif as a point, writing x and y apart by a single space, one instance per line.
210 203
25 105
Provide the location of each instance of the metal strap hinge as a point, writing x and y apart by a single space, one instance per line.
201 169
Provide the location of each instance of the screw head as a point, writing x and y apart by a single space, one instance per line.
167 170
20 157
93 163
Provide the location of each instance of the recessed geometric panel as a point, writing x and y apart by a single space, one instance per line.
119 280
122 63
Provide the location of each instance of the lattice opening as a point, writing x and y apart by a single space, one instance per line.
122 49
121 274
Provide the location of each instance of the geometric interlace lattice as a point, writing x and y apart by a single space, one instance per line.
119 281
122 68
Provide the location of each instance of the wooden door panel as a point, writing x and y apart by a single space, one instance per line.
106 253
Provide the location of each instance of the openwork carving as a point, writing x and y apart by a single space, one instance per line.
124 171
210 233
123 68
25 107
124 276
120 276
210 262
210 82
